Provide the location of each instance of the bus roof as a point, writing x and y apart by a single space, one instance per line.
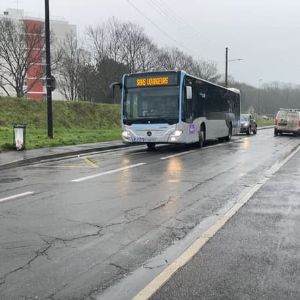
234 90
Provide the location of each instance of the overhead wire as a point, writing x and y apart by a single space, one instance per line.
168 11
158 28
170 15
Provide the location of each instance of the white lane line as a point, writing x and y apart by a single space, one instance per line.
107 172
178 154
191 151
16 196
196 246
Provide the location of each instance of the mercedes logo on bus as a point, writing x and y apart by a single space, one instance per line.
149 133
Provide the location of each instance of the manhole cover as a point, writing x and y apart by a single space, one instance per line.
10 179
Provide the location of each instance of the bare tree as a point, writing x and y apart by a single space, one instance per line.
73 61
21 47
174 59
124 43
134 41
147 56
206 70
125 46
105 41
98 42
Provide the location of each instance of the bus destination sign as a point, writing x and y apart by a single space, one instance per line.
153 80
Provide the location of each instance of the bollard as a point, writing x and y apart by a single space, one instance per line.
19 136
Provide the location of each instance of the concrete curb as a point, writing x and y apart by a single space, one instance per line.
265 127
27 161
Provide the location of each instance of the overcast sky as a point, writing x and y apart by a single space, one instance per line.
264 33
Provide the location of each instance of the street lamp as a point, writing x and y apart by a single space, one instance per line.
48 72
258 98
226 65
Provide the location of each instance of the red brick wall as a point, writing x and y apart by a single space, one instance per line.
34 30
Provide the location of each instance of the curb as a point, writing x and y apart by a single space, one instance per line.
24 162
265 127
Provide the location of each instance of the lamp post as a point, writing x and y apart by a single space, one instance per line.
48 71
226 65
258 98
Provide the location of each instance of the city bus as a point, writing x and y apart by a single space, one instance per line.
173 107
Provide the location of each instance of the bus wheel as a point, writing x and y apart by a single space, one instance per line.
228 137
201 137
151 146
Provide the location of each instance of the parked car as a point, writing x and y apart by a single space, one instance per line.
287 121
248 124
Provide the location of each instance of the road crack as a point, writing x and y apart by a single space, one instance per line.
163 204
40 252
124 270
209 179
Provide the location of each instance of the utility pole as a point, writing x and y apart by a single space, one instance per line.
226 67
48 71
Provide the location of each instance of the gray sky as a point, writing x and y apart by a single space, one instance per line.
264 33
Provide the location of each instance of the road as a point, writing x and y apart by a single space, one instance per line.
73 228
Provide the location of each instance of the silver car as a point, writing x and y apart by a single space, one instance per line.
287 121
248 124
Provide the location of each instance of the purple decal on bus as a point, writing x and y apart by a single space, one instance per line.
192 128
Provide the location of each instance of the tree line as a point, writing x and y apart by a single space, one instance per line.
85 67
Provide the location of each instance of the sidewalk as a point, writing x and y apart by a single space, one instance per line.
20 158
255 255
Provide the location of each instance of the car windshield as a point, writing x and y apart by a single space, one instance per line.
244 118
153 104
282 114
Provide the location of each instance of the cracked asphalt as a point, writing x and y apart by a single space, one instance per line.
255 255
75 240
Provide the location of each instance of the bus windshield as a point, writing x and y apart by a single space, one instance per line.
151 105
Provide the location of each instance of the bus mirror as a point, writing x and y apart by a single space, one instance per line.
188 91
112 87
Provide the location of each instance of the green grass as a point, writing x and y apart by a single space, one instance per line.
74 123
263 122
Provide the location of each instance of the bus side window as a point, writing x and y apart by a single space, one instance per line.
188 104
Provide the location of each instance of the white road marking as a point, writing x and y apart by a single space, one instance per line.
195 247
107 172
178 154
16 196
191 151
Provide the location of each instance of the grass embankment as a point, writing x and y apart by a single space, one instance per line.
73 122
264 122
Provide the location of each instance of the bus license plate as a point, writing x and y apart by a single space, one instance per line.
150 140
138 139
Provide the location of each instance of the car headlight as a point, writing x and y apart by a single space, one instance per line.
125 134
177 133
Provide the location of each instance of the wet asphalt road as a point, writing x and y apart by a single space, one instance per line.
91 220
255 255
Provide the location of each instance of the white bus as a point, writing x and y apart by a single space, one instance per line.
172 107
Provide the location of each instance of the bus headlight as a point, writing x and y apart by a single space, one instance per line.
126 134
174 136
177 133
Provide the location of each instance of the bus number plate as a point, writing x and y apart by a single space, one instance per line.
138 139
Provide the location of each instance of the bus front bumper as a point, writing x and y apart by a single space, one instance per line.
174 137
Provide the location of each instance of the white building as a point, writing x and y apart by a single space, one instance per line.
59 30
